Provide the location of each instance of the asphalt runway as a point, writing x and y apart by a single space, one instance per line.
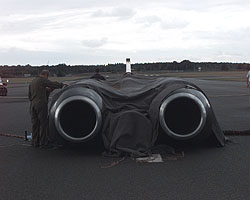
203 173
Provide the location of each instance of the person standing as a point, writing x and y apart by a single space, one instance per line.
248 85
97 75
39 90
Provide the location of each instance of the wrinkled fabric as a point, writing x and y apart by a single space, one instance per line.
131 111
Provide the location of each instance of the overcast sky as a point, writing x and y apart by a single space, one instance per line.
39 32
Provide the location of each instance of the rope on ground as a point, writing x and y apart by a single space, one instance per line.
12 135
114 163
226 132
236 133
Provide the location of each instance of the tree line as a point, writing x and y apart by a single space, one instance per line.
64 70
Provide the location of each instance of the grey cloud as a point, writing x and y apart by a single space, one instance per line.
198 5
165 24
230 43
39 6
89 56
222 46
31 6
149 20
174 24
119 12
17 27
232 36
123 12
21 26
16 24
94 43
101 56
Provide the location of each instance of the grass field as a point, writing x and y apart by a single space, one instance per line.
225 76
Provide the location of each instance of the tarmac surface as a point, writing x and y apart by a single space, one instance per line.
202 173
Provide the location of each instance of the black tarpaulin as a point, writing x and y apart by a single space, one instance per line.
131 111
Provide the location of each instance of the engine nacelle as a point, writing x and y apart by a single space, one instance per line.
77 114
185 114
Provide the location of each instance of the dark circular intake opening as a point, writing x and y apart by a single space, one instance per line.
77 118
182 115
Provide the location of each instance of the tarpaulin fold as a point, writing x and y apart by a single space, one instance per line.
131 111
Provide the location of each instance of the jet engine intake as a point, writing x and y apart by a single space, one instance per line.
184 114
78 114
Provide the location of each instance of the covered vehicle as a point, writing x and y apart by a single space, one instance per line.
131 113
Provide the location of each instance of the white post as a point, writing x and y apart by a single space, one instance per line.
128 65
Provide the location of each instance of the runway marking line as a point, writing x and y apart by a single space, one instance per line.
12 135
